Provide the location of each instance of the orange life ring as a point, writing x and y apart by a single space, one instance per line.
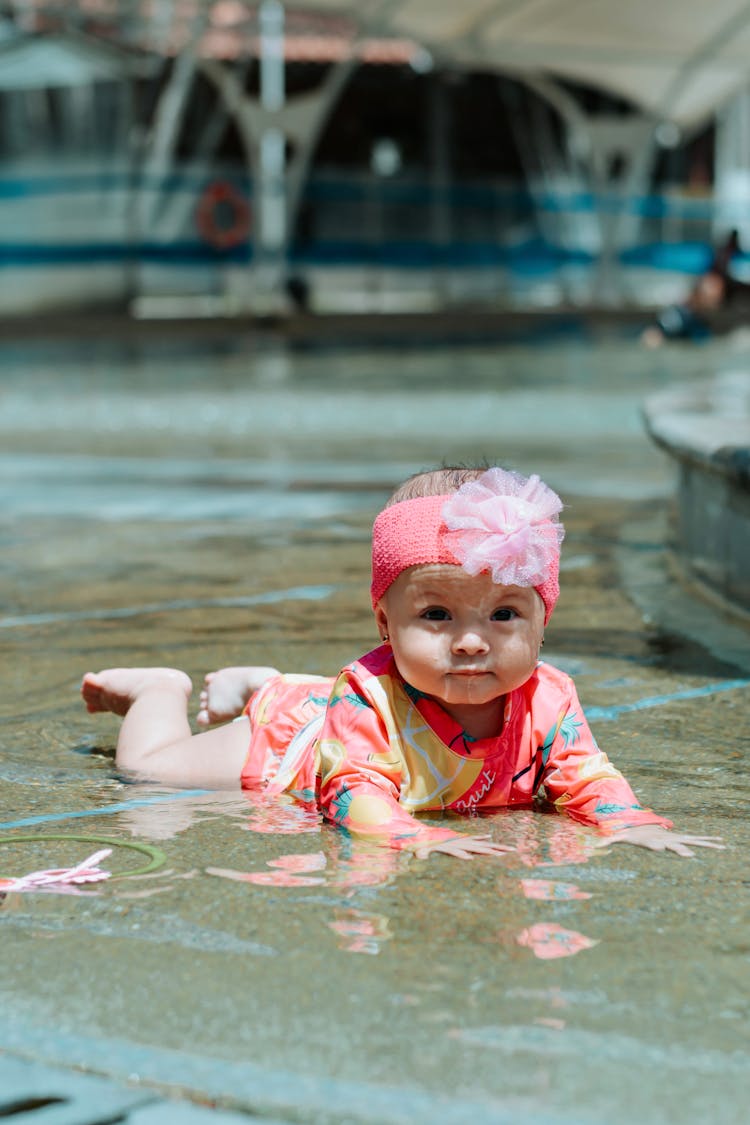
219 198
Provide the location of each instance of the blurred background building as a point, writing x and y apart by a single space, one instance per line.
365 155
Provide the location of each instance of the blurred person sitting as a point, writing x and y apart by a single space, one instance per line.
715 289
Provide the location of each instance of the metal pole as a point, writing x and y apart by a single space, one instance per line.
271 200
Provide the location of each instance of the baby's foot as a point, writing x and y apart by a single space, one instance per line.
116 689
226 692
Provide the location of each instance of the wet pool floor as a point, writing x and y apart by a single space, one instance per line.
177 506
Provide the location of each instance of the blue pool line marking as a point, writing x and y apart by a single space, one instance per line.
603 713
107 810
295 593
614 712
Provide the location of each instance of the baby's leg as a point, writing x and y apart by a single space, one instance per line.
155 739
226 692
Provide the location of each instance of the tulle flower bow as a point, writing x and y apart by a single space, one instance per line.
505 524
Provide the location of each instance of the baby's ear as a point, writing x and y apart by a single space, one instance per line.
381 619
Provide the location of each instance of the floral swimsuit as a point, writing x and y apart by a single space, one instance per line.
371 751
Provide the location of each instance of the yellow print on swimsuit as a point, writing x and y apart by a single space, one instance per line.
433 775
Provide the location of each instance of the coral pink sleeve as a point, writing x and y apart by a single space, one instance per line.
361 771
581 781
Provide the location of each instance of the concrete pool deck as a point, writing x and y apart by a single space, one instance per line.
195 507
704 426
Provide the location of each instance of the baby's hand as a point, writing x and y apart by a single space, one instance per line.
464 847
659 839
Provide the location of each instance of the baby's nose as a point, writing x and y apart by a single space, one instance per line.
470 641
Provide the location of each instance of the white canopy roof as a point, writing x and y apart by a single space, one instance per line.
676 59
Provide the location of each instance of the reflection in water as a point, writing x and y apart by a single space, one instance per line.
290 871
314 861
166 819
85 892
361 932
280 815
347 864
559 998
266 878
548 890
361 864
161 886
547 940
548 841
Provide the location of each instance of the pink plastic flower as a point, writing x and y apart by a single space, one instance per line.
88 871
505 524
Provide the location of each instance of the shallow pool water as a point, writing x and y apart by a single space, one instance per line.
194 507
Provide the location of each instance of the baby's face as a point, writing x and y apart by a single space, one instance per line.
462 640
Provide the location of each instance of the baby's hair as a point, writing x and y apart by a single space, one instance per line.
436 482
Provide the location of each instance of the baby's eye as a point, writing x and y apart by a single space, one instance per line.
435 613
505 613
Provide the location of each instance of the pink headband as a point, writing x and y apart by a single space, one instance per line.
502 523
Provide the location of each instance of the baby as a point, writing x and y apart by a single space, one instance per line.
453 710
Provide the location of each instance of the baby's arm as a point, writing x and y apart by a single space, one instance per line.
225 693
584 784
